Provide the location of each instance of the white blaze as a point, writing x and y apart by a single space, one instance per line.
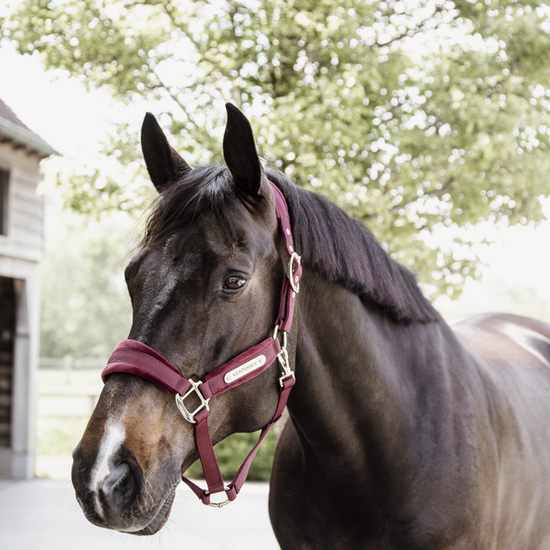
112 439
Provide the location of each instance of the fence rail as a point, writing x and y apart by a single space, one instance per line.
68 386
69 363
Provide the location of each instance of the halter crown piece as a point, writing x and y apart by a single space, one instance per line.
133 357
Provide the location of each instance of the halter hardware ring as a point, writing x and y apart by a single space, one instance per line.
285 366
190 416
294 284
283 357
218 504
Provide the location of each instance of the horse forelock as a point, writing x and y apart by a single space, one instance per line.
201 190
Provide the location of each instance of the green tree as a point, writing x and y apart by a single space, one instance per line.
413 116
85 308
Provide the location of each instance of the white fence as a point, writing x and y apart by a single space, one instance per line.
69 386
72 363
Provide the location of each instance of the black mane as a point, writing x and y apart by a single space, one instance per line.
330 242
344 251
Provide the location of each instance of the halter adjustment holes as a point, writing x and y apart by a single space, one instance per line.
234 284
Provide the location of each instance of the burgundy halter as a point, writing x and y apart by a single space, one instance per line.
133 357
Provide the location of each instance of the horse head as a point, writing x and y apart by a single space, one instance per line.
204 287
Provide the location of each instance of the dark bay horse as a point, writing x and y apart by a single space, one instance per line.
404 433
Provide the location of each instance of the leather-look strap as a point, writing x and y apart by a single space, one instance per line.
214 478
133 357
294 269
241 369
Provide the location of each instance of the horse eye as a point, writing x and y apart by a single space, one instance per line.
234 283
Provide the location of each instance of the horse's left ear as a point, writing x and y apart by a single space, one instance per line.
239 152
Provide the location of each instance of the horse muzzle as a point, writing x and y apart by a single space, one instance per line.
113 493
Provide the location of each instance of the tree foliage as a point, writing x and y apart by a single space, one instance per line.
414 116
85 308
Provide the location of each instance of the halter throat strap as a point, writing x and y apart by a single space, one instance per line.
136 358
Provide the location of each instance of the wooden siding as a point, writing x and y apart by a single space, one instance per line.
21 248
25 218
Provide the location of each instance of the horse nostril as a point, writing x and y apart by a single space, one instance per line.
120 483
124 482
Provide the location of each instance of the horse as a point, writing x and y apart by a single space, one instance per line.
404 432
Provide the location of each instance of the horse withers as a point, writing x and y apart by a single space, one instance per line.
404 433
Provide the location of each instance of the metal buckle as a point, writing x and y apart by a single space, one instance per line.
283 358
218 504
294 284
190 416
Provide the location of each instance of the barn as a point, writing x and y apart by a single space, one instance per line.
21 248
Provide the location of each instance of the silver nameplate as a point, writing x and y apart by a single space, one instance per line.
243 370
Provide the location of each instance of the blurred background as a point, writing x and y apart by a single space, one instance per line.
427 120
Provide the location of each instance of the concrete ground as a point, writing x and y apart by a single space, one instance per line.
44 514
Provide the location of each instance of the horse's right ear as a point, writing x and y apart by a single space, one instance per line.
163 163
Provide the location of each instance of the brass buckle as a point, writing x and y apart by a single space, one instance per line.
190 416
294 284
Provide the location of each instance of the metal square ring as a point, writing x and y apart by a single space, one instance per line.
190 416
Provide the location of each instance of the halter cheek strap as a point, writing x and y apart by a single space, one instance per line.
133 357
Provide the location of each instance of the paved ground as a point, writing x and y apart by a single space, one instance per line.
44 514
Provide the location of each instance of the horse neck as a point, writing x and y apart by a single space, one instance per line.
360 384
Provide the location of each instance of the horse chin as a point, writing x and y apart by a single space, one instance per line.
147 524
159 520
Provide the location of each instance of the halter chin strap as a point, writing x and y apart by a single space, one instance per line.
133 357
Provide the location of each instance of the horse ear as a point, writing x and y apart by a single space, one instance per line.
239 152
163 163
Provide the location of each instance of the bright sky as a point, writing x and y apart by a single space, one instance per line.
54 106
74 121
